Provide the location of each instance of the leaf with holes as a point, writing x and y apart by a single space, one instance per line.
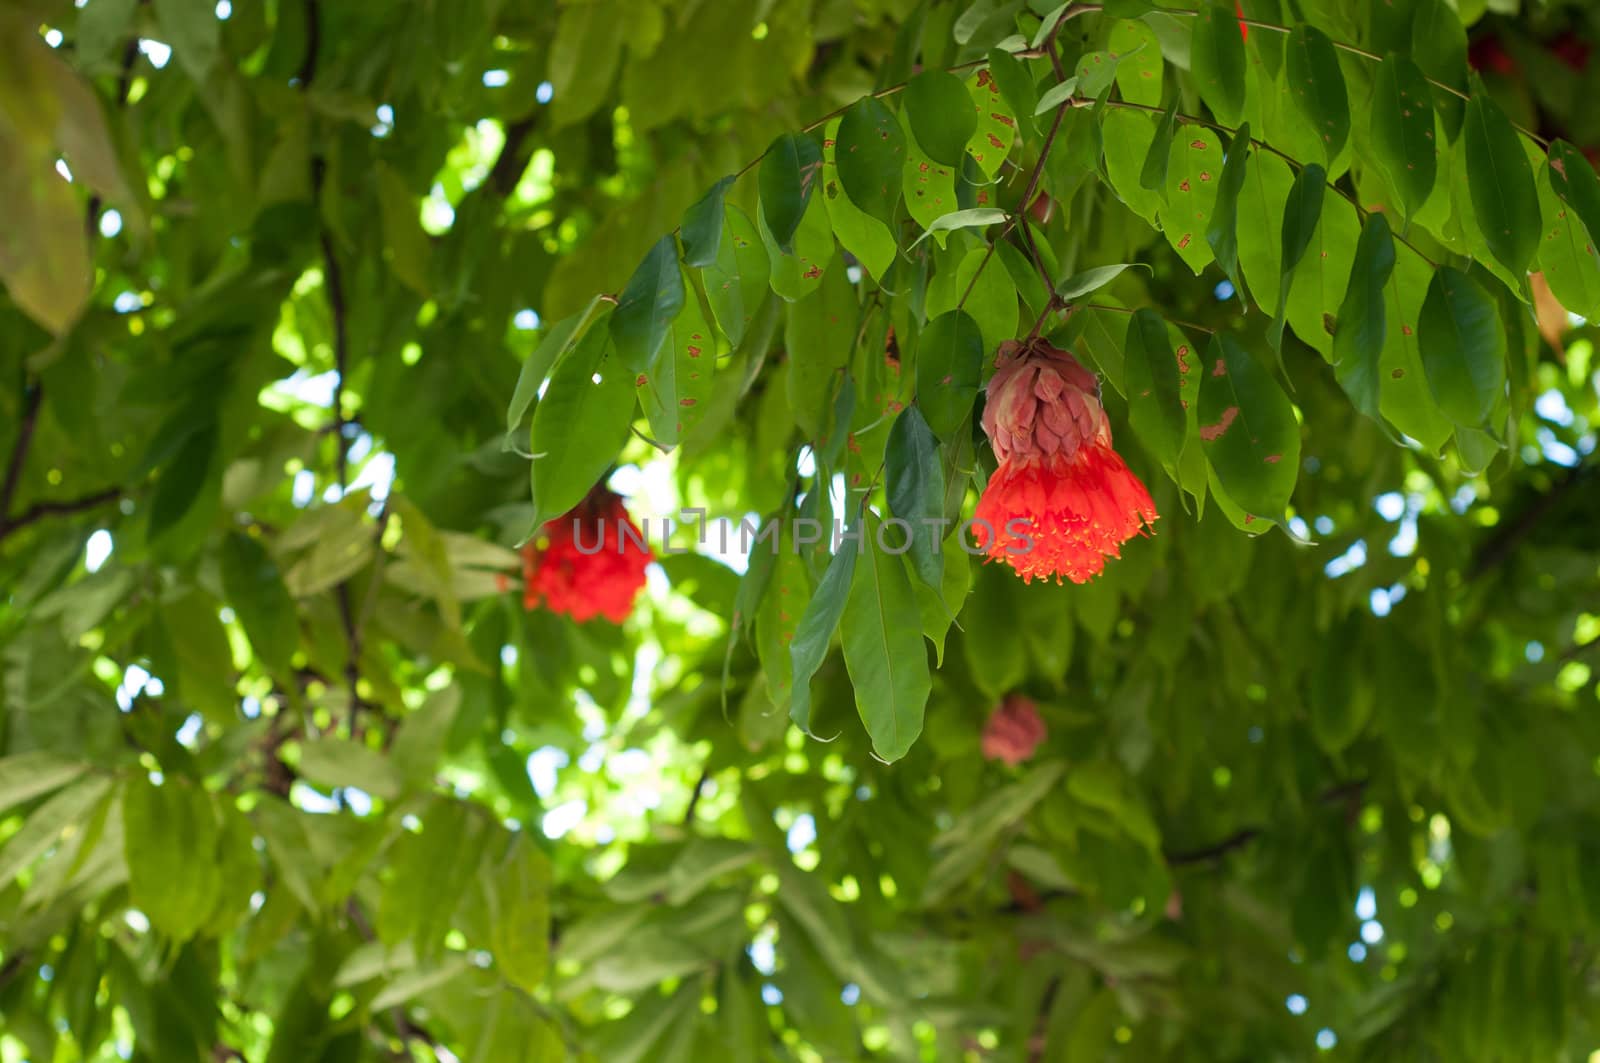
1247 429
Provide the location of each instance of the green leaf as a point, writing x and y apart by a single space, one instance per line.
1567 255
1316 85
1504 197
579 426
1192 178
939 109
25 776
421 736
1016 84
192 29
1153 174
520 930
973 218
736 284
949 370
818 333
1055 96
778 619
1463 347
168 827
1216 58
1405 399
1128 138
1573 179
584 55
996 657
1248 429
337 762
871 152
1154 386
796 275
1092 280
1139 76
183 481
982 288
817 625
702 226
1439 47
66 811
997 126
859 233
561 338
885 655
256 592
787 178
1302 212
1223 233
1359 335
1403 131
1094 73
1266 189
915 490
647 307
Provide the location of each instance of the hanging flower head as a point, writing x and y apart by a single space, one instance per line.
1062 500
588 562
1014 730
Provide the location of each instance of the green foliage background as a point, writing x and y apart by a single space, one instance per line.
289 774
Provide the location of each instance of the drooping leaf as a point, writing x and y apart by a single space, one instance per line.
703 224
1153 174
1154 385
1092 280
1573 179
939 109
1403 130
972 218
1248 429
1316 85
1302 213
914 479
1504 198
1192 179
258 597
1358 337
647 306
1139 74
558 340
736 283
1223 232
817 625
1216 57
949 370
165 827
885 656
787 178
871 152
1463 347
579 426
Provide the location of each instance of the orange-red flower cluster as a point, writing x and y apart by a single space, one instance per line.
589 562
1014 731
1062 501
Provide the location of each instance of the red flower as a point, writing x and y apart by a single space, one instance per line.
1244 27
1014 731
589 562
1062 500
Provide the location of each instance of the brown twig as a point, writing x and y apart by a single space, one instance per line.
32 398
1499 547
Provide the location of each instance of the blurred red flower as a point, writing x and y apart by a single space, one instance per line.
1062 501
1014 730
588 562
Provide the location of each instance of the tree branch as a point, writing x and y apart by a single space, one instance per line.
33 395
1498 548
40 510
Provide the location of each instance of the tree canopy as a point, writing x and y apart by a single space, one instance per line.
329 331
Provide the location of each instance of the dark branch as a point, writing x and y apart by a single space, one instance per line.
33 396
40 510
1498 548
513 158
694 797
1236 840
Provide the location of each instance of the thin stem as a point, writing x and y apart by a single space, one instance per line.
1133 310
19 454
1189 119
